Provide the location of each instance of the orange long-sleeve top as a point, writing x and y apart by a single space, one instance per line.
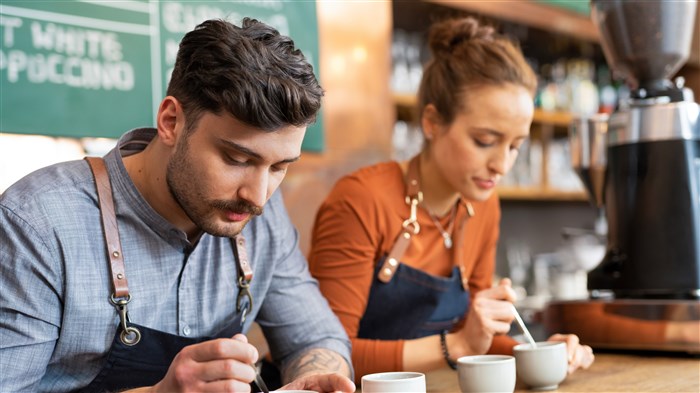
358 223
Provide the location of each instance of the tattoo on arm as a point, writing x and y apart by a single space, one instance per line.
315 361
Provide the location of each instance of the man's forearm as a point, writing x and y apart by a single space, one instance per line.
316 361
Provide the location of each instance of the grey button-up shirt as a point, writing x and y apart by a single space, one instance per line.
56 320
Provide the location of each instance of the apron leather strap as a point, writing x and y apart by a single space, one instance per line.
413 179
109 226
459 256
242 256
415 196
391 263
410 227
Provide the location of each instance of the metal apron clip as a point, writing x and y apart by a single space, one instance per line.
243 293
129 335
411 223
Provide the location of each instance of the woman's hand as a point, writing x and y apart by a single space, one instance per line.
580 356
490 313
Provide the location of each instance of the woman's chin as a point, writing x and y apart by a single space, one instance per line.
479 195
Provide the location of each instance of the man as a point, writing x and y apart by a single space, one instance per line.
195 261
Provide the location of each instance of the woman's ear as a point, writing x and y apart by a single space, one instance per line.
431 121
170 120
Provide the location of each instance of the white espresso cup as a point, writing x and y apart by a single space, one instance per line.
486 373
393 382
294 391
542 367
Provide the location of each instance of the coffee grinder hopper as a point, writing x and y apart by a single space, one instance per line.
645 42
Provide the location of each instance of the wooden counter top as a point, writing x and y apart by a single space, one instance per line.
610 373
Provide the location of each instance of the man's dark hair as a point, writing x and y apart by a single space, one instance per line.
251 72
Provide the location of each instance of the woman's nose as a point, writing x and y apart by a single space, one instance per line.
499 161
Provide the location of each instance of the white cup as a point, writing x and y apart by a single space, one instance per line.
542 367
294 391
393 382
486 373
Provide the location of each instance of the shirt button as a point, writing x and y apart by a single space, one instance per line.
186 331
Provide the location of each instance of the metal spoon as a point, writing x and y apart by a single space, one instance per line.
259 381
523 327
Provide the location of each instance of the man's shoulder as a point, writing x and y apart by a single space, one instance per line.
53 185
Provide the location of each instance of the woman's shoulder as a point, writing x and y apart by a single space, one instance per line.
370 188
379 172
371 178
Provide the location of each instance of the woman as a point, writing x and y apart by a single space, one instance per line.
405 251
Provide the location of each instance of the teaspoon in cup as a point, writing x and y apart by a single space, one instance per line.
521 323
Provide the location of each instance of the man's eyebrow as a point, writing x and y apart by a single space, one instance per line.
241 149
249 152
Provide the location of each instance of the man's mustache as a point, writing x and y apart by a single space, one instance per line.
238 206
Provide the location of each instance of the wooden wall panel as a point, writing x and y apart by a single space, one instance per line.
358 114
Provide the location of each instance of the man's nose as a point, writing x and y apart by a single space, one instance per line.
254 188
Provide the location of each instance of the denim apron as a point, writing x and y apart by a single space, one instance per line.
406 303
413 304
146 362
140 356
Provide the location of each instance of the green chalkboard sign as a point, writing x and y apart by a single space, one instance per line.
98 68
582 7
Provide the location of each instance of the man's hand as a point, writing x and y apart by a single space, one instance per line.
222 365
322 383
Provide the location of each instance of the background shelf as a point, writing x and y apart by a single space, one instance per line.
538 194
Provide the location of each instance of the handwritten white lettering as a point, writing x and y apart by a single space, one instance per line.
76 42
171 48
9 24
72 71
181 18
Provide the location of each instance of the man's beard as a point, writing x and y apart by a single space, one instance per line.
182 183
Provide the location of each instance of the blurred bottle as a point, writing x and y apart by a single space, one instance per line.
562 98
608 94
413 58
400 74
623 94
407 140
547 97
583 92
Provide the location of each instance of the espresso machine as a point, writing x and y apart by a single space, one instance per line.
641 165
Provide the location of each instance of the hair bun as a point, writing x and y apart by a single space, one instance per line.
445 36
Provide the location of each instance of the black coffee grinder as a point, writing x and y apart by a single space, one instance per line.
647 177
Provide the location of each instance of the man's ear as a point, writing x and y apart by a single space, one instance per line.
170 120
431 121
